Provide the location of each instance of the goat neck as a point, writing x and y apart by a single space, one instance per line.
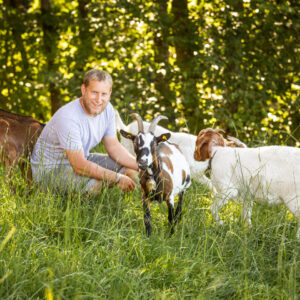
151 177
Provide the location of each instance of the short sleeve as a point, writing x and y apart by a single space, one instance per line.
68 134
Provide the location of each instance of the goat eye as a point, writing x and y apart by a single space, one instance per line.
152 145
141 141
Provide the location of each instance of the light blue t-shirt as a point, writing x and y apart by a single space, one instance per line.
70 128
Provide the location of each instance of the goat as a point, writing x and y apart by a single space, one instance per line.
185 141
18 135
269 174
163 170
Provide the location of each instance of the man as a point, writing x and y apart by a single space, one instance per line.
61 155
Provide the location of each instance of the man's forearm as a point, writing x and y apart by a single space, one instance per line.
93 170
124 158
127 161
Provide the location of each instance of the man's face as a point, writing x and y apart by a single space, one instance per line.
95 97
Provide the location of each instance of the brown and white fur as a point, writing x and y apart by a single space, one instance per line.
185 142
269 174
163 170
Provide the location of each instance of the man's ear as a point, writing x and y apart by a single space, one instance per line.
127 135
82 89
162 138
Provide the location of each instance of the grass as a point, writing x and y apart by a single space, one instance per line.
63 247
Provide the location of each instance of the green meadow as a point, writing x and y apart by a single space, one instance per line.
73 247
232 65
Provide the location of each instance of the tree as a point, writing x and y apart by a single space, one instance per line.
49 23
228 64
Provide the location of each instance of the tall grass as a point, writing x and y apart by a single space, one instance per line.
71 247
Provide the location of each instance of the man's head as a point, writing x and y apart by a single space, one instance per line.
97 75
96 90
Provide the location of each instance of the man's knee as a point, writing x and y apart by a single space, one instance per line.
96 188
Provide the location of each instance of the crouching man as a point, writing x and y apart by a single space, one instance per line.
61 156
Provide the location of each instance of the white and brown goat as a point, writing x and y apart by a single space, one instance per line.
269 174
163 170
185 142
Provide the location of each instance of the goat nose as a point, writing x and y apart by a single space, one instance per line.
142 164
142 161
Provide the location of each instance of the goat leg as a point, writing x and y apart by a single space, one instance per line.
219 201
171 216
147 215
217 204
179 208
298 231
10 162
26 171
247 211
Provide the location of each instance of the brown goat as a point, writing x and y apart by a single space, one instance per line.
18 135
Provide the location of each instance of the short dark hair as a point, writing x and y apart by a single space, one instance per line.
98 75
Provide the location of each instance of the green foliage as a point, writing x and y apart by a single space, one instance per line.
63 247
254 58
228 64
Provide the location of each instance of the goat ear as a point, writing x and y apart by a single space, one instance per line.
201 151
163 137
216 140
127 135
207 139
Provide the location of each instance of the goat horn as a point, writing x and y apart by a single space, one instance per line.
155 122
220 130
236 141
139 121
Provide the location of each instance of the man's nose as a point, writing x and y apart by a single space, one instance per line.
99 99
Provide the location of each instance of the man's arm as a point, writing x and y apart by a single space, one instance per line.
119 153
84 167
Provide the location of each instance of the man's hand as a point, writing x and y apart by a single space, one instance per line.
126 184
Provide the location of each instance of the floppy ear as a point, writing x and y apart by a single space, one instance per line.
216 140
163 137
201 151
204 143
127 135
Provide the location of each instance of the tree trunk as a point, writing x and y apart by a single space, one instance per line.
184 41
161 50
85 45
50 38
15 11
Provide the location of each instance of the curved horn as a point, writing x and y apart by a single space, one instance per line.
155 122
237 142
139 121
219 130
